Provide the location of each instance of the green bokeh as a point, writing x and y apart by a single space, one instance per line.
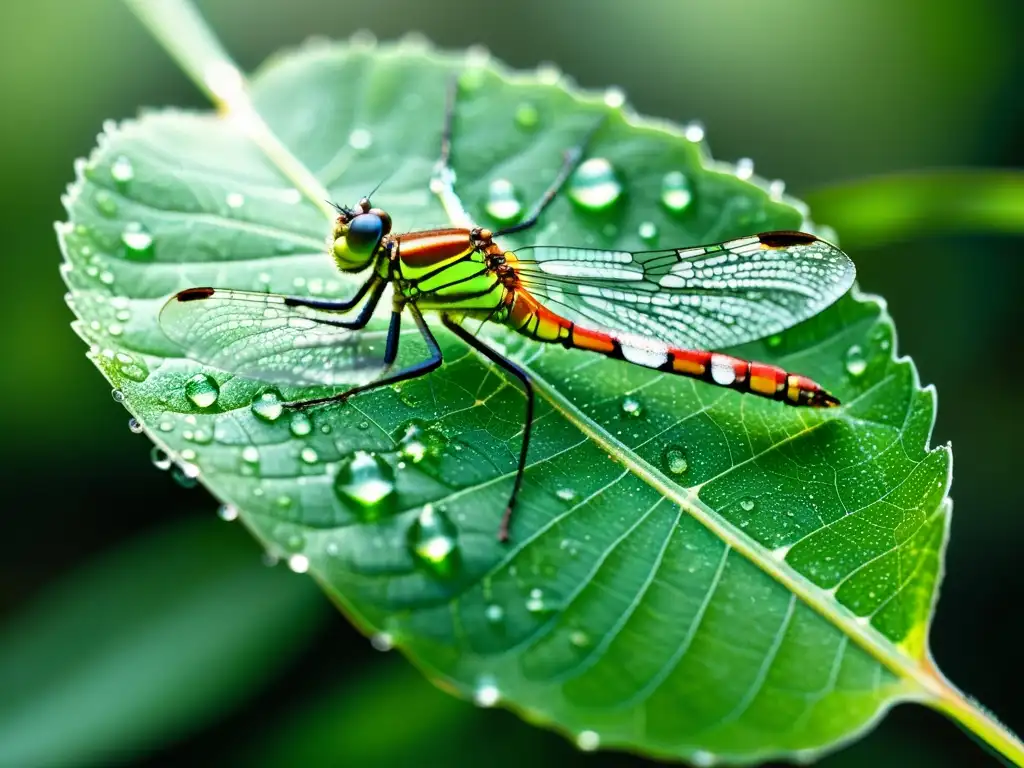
869 88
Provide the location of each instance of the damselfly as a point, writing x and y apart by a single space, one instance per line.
662 309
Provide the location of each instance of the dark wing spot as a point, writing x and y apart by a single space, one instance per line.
785 239
195 294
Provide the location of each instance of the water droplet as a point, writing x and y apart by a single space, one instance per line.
614 97
202 390
118 395
856 362
235 199
137 241
744 168
774 341
648 231
675 460
594 185
308 455
121 170
251 454
535 601
676 193
417 443
588 741
527 116
494 613
433 539
747 505
298 563
382 641
566 494
503 204
694 132
160 458
300 424
367 481
105 203
267 406
131 367
134 425
185 474
631 407
227 512
579 638
486 693
360 138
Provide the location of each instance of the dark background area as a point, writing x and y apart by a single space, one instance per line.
818 94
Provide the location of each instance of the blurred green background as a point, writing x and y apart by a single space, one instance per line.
137 627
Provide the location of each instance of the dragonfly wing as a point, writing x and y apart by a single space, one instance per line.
706 297
262 336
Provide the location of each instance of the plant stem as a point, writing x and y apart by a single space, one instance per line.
178 26
883 209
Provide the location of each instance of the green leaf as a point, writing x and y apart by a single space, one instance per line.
693 573
145 643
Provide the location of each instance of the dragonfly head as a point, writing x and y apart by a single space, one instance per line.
358 233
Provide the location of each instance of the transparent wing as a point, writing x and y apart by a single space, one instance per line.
261 336
708 297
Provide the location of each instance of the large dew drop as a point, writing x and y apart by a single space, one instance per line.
856 362
267 406
594 185
434 543
202 390
675 461
503 204
366 482
676 194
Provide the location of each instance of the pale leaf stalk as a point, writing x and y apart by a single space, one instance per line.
181 30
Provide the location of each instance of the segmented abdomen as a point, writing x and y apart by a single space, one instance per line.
532 319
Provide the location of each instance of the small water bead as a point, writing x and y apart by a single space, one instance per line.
527 116
105 203
676 192
107 278
588 741
267 406
382 641
360 139
227 512
135 426
503 203
486 693
566 494
694 132
433 540
648 232
366 481
121 170
118 395
298 563
186 475
747 505
251 454
614 97
235 199
494 613
631 407
594 185
535 601
160 458
202 390
137 241
774 341
130 367
856 362
299 424
308 455
675 460
744 168
579 638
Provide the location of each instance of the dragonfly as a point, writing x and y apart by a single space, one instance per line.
666 309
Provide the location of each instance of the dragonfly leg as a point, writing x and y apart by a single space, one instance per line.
520 374
390 354
375 286
572 158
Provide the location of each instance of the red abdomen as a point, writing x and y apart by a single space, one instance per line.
425 249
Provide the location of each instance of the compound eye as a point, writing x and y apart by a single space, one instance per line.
364 232
385 217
